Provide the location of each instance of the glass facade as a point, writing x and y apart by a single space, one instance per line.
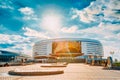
6 56
66 47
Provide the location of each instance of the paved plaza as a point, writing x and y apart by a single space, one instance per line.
73 71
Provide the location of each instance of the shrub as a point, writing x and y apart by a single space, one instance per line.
116 64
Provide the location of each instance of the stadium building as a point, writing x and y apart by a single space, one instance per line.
68 47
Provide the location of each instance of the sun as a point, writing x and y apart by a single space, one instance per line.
51 21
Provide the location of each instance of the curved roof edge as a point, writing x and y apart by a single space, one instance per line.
4 52
70 39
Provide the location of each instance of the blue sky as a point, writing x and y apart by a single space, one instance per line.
23 22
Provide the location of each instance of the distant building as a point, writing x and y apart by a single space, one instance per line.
6 56
68 46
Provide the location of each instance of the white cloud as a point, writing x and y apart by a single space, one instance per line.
25 48
81 14
26 10
105 9
72 29
112 7
74 16
6 5
28 13
118 35
84 15
34 33
4 38
114 4
21 44
104 30
112 27
32 17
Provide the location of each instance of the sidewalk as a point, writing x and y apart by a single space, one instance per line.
74 71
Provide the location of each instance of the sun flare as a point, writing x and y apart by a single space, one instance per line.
51 22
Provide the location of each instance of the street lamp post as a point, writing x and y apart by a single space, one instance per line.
112 53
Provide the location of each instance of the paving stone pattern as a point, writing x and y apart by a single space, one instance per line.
74 71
